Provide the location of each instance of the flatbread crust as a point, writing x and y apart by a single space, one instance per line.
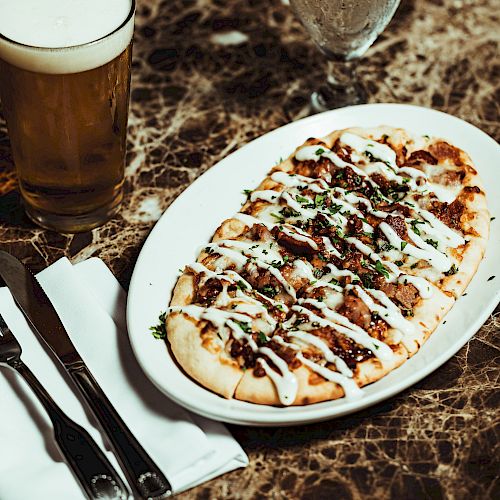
203 356
200 356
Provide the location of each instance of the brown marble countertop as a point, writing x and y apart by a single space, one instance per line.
199 94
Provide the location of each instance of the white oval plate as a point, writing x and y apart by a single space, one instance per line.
191 220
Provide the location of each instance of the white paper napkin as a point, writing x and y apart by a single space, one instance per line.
91 304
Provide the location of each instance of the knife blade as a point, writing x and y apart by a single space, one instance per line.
143 475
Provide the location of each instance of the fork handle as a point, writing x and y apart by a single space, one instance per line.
93 470
145 478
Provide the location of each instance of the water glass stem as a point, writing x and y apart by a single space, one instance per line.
342 87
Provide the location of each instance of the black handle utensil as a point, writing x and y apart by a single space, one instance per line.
143 475
90 466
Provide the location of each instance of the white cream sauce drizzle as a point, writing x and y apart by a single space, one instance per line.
316 152
388 311
388 156
234 278
327 353
351 389
342 325
292 231
424 251
240 259
303 270
286 384
376 149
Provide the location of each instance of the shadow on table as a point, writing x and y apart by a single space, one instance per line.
22 391
12 211
297 436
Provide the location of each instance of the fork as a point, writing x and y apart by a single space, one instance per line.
92 469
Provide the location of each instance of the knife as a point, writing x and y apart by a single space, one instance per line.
145 478
92 469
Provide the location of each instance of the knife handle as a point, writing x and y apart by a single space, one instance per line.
96 475
143 475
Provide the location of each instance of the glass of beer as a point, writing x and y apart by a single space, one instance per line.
64 88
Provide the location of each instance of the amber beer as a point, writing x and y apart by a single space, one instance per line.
66 110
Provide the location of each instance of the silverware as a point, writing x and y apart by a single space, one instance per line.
92 469
143 475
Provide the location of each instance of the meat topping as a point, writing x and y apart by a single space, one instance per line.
421 156
449 213
399 225
294 245
356 311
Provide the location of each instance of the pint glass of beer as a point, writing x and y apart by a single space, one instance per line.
64 89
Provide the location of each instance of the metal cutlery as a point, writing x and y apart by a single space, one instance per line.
144 477
92 469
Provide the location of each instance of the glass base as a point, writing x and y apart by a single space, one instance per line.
72 223
332 97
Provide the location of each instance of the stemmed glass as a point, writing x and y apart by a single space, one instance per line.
343 30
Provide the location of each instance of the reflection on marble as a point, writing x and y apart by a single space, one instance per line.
209 76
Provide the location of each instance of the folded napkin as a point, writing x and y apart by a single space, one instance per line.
91 304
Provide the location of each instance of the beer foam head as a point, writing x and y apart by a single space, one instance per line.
64 36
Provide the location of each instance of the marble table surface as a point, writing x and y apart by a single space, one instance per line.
209 76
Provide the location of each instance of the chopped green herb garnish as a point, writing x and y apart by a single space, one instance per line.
317 273
414 224
370 156
399 263
248 192
453 270
301 199
319 151
334 208
241 285
433 243
246 327
319 200
160 330
278 217
367 280
269 291
385 247
289 212
403 245
262 338
379 267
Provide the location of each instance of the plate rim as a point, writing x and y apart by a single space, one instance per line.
308 413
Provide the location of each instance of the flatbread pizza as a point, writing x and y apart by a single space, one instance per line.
337 269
